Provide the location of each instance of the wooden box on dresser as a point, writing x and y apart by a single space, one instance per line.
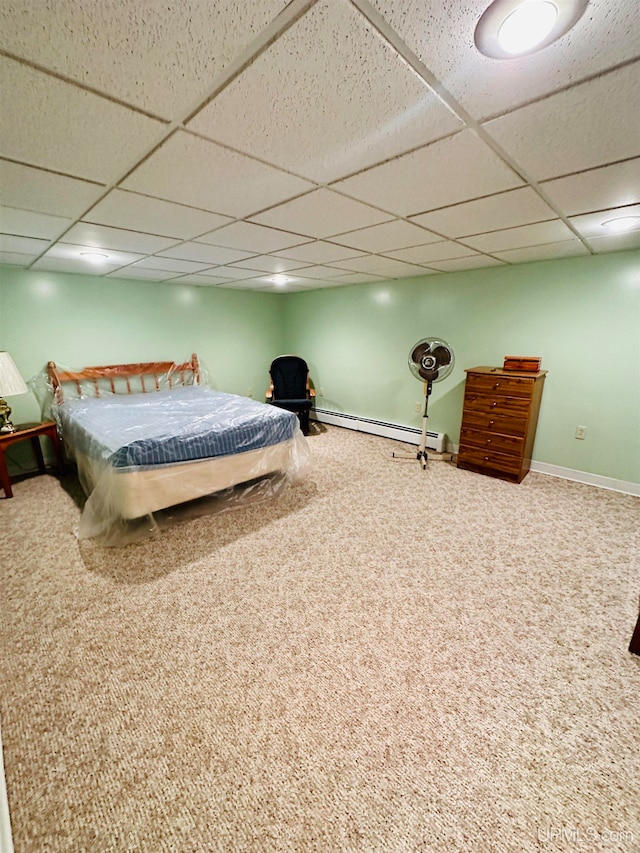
499 421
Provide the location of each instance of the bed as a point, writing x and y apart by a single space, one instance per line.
146 437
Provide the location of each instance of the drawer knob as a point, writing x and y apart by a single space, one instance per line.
497 385
488 441
491 423
493 405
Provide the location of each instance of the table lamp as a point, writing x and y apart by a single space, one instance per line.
11 382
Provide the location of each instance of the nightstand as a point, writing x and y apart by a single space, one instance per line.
33 432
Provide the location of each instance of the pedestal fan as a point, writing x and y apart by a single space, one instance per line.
430 360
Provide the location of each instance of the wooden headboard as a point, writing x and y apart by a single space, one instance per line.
125 378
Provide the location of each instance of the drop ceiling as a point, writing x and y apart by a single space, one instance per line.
333 142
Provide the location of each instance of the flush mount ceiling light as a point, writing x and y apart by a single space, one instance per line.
280 279
622 223
94 257
512 28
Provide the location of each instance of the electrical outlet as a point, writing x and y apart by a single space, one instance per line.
581 432
249 392
322 392
418 407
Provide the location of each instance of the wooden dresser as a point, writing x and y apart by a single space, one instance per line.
499 421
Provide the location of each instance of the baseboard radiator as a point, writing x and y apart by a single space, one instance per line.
436 441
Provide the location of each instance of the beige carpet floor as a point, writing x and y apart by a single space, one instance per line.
381 659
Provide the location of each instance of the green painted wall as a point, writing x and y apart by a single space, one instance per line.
581 315
79 320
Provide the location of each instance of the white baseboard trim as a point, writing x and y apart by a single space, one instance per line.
412 436
6 842
598 480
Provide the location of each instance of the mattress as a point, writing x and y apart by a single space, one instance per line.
169 427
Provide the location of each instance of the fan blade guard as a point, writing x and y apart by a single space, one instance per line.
431 359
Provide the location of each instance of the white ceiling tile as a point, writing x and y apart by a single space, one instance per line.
596 189
269 263
319 252
76 252
204 253
292 282
441 34
566 133
53 124
171 265
202 174
205 280
319 285
514 207
444 250
361 278
381 266
22 245
616 242
102 236
397 234
229 273
34 189
378 106
472 262
142 274
563 249
591 224
27 223
364 264
135 212
179 50
399 269
524 235
73 265
233 273
16 259
251 237
321 213
445 172
320 272
243 285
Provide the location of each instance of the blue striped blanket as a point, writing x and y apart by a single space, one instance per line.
167 427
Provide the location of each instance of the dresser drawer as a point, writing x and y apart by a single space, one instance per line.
509 444
518 406
480 458
511 386
494 422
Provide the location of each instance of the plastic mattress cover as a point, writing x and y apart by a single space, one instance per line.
149 460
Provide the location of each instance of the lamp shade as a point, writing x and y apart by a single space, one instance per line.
11 382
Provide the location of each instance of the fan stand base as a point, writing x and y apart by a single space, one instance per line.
421 456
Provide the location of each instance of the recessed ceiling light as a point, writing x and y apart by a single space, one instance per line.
622 223
512 28
94 257
280 279
527 26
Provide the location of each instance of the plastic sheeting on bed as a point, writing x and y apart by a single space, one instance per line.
139 454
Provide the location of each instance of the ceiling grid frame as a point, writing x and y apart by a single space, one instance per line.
278 180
